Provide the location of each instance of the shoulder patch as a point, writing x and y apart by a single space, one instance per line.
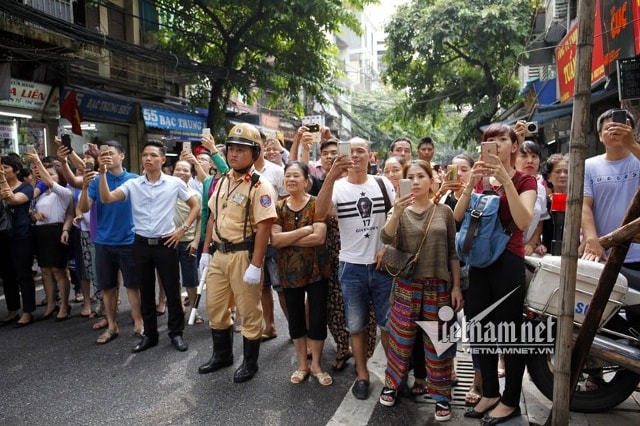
265 200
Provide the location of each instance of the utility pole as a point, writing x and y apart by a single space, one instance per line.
571 236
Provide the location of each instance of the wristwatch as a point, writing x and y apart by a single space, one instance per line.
185 228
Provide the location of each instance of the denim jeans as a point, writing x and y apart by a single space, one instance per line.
360 285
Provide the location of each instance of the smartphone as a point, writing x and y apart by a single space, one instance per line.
31 149
206 131
88 166
619 116
405 187
488 148
104 148
66 140
315 129
452 172
186 146
344 148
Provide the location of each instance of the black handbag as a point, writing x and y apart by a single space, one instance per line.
6 219
399 263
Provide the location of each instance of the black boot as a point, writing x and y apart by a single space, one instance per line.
249 365
222 351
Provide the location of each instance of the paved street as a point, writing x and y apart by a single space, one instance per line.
54 374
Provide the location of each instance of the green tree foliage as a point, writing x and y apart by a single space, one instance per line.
247 46
457 52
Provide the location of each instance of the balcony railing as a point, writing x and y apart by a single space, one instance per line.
61 9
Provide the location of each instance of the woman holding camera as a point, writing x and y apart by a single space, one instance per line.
17 257
506 276
415 223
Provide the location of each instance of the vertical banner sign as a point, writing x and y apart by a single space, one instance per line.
629 78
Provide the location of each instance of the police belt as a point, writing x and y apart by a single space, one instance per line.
228 247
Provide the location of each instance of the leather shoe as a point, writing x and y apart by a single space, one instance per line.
490 421
179 343
471 413
146 343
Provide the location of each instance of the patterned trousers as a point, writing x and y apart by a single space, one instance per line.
415 300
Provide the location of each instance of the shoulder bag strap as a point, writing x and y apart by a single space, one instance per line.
426 231
387 201
476 213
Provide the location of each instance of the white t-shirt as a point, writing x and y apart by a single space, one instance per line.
361 216
539 212
612 186
275 175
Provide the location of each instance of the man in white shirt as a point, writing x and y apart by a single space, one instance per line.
361 209
153 199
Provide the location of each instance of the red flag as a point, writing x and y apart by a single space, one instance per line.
69 110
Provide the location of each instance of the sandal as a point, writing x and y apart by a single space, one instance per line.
473 396
444 408
323 378
138 332
340 362
198 320
107 336
299 376
388 397
418 389
100 324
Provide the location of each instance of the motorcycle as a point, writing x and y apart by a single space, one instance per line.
612 370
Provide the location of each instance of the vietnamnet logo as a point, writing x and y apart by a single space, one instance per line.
527 338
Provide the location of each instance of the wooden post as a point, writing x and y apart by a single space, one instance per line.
569 264
600 297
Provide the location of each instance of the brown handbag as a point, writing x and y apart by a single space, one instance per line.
399 263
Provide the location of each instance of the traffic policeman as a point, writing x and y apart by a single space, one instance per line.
242 212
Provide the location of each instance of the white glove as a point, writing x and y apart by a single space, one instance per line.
252 275
205 258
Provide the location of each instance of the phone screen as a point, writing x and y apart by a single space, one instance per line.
405 187
619 116
452 172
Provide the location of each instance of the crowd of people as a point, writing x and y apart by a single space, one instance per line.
254 217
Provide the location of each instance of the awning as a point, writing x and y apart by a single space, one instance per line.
176 124
546 113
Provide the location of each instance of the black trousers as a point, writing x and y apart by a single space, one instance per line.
15 269
295 300
486 286
149 258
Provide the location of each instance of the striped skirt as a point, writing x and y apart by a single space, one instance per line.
418 299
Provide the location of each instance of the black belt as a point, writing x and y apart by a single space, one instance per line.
231 247
151 241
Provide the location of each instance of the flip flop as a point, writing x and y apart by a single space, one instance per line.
266 337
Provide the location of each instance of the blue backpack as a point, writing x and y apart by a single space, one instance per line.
482 238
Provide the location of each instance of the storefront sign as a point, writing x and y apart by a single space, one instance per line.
102 106
27 95
178 125
7 132
613 39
